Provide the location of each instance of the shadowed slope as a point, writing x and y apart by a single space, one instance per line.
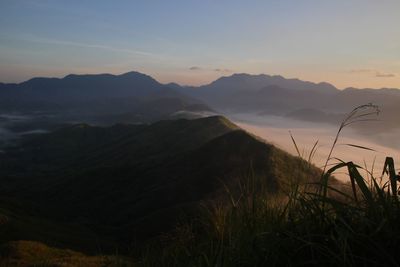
133 182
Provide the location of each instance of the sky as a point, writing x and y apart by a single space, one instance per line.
349 43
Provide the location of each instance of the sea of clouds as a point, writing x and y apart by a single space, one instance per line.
275 130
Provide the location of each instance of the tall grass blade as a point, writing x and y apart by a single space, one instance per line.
389 169
295 144
353 172
312 152
361 147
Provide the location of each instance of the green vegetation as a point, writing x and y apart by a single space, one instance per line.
102 189
106 184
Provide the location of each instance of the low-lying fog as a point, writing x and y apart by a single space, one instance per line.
275 130
9 130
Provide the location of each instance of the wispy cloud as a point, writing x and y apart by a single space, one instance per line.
87 45
362 71
223 70
51 41
195 68
375 72
384 75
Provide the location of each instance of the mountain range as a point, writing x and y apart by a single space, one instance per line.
134 97
100 98
265 94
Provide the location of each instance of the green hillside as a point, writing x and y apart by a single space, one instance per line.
115 186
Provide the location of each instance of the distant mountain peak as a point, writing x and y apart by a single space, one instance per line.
134 74
82 76
254 82
173 85
130 74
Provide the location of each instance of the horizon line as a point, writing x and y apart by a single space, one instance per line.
188 85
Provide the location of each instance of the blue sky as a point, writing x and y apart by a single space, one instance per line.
347 43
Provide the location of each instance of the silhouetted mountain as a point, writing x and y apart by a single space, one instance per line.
130 181
235 85
243 81
84 96
78 87
264 94
272 99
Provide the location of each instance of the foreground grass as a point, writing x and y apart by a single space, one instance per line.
302 229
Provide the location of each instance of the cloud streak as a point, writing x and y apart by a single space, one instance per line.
384 75
223 70
376 73
197 68
51 41
97 46
362 71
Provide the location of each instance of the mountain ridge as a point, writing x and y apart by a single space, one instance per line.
175 84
